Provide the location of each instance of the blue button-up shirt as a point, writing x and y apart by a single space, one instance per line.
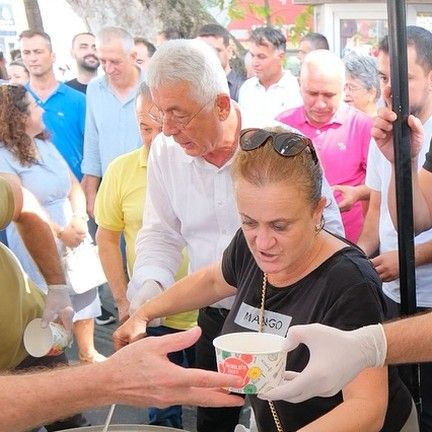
64 118
111 126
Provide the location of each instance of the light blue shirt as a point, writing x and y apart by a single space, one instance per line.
111 128
64 115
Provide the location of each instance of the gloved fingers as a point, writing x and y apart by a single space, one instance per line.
290 375
66 318
291 392
241 428
295 336
47 317
293 389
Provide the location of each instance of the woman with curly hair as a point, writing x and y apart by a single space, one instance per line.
27 153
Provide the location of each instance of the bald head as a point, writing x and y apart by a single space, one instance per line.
323 62
322 80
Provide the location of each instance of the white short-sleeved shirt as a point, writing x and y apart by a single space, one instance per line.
378 175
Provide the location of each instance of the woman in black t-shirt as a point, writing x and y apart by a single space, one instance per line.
283 262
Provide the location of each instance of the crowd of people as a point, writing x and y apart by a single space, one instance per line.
217 199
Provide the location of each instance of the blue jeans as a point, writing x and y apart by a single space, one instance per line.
171 416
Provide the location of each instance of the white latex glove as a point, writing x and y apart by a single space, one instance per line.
58 305
149 289
241 428
336 358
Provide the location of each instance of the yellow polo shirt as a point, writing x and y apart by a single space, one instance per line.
119 207
21 301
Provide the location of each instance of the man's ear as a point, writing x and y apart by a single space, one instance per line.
223 106
281 56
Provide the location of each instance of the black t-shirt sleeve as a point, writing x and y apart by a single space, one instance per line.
428 162
232 258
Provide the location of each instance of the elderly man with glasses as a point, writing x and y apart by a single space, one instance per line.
190 201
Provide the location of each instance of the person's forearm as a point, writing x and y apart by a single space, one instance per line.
192 292
90 186
422 213
35 230
42 399
369 237
368 240
423 253
362 193
409 340
78 199
350 416
112 263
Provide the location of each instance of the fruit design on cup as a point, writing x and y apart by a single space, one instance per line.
260 367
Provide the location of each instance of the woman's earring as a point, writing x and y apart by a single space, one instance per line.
319 227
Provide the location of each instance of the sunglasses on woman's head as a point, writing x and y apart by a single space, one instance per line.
285 143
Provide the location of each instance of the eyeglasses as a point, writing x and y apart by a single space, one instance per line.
352 88
180 121
285 143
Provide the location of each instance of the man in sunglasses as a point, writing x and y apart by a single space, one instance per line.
190 201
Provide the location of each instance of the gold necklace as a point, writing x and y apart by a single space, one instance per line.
260 330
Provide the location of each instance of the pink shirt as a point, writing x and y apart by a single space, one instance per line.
342 145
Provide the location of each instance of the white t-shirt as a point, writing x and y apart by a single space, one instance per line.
260 105
378 175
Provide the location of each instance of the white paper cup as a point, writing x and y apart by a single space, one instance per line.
49 341
256 357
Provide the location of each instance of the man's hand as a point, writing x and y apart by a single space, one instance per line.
387 265
133 329
58 306
348 196
336 358
382 131
143 375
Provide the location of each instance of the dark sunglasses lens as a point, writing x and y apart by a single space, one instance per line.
288 145
252 139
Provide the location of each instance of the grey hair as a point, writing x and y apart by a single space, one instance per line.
144 91
107 34
191 61
365 69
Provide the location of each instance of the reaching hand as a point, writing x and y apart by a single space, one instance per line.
58 306
348 194
336 358
146 377
133 329
387 265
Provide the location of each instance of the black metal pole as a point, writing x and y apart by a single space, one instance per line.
396 13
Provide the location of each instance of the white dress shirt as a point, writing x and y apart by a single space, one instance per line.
259 104
190 202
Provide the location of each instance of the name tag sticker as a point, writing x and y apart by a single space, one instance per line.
274 322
